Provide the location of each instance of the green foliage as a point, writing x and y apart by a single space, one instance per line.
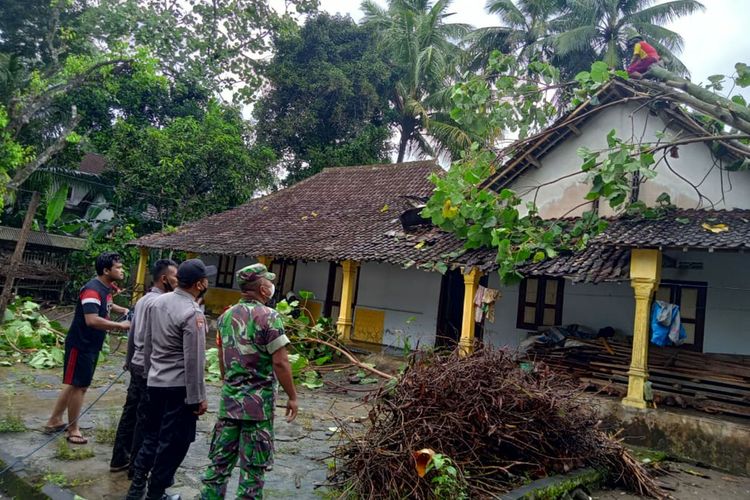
422 46
447 482
164 169
504 221
110 236
26 332
599 30
106 434
326 102
11 420
213 373
312 380
67 452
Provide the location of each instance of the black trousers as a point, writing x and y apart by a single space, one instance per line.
130 429
168 431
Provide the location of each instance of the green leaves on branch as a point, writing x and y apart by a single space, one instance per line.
507 98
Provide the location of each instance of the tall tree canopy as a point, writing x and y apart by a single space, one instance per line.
602 27
187 169
326 99
526 29
423 49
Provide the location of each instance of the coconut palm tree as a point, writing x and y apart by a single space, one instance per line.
525 30
604 27
424 49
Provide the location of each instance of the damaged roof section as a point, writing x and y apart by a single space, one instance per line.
607 257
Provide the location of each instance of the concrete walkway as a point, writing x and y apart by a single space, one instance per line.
301 447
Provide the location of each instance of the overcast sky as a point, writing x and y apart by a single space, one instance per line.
714 40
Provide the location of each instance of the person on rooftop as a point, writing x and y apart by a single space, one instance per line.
644 56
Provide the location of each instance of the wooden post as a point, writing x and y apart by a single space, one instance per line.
265 260
139 287
645 271
468 325
17 257
345 322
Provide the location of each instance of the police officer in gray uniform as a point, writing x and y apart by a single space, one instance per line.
175 359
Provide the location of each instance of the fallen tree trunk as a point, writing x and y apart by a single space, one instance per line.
702 99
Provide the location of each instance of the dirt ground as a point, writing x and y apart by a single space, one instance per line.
302 448
690 482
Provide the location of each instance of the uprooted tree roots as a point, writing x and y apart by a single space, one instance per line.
499 424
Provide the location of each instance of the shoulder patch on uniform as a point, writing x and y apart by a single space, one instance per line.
200 321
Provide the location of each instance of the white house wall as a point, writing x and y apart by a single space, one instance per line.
312 277
694 163
409 298
727 323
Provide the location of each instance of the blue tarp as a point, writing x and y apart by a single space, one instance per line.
666 327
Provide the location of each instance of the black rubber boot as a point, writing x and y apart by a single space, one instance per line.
138 486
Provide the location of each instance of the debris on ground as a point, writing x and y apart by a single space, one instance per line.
494 426
27 335
720 385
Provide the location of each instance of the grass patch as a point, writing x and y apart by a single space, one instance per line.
12 423
64 451
106 434
61 480
11 420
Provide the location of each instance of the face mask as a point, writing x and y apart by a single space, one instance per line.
167 286
273 291
202 293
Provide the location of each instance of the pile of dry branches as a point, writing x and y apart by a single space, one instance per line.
499 424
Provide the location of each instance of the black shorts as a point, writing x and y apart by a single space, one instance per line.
79 367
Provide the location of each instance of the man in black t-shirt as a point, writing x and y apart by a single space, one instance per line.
84 341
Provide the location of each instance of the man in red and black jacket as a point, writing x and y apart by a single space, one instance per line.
84 342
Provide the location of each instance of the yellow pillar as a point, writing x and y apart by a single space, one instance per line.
471 282
139 287
645 273
191 255
344 324
265 260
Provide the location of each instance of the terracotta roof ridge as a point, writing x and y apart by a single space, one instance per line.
382 165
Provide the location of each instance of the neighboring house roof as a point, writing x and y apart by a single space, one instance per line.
33 271
44 239
607 257
340 213
93 163
525 154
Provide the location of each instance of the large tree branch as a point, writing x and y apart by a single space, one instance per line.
29 168
28 110
703 99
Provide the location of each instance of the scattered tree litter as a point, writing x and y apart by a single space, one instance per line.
500 423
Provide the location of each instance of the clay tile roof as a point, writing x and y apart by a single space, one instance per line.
607 258
93 163
340 213
682 229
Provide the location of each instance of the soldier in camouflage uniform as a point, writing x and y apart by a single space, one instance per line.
252 356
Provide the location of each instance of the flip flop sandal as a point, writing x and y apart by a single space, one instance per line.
54 430
77 439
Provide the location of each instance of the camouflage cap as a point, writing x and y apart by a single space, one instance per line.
251 273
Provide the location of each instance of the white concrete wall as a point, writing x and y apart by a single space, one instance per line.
694 163
727 327
727 322
409 297
312 277
503 331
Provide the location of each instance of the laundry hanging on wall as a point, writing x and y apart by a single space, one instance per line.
666 326
484 303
